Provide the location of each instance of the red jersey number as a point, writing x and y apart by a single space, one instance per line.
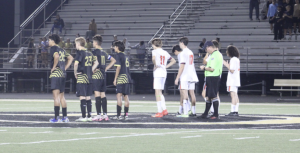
162 60
191 59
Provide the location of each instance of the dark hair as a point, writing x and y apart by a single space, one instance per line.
55 38
184 40
120 46
142 43
216 44
98 39
176 47
233 51
218 39
157 42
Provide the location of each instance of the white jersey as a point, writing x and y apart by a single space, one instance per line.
161 60
233 79
189 73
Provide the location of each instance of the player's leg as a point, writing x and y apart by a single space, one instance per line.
157 89
185 102
104 105
89 108
98 105
193 98
81 92
162 97
64 107
208 92
119 94
126 106
56 99
237 100
180 111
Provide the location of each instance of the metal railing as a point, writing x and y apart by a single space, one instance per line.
31 18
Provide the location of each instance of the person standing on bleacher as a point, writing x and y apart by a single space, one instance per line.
254 4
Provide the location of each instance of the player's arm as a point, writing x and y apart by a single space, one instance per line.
96 63
56 58
181 68
70 60
173 61
112 62
117 74
204 59
229 66
76 68
153 60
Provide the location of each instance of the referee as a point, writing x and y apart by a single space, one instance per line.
212 71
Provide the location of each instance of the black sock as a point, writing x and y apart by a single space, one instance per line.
56 112
89 108
208 105
83 107
216 107
119 108
104 105
98 105
64 112
126 111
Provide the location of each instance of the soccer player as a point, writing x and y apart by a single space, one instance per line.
84 66
160 58
188 77
58 77
233 78
122 80
99 78
213 71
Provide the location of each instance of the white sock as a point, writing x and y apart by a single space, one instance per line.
212 108
189 104
180 109
232 108
194 109
185 109
204 99
237 107
163 102
159 107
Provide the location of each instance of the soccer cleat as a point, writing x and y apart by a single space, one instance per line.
53 120
105 117
126 118
236 113
177 114
214 117
158 115
232 114
210 114
185 115
118 118
81 119
190 112
89 119
165 112
203 116
97 118
192 115
65 119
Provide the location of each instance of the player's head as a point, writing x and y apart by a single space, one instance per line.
80 42
156 43
176 50
97 41
288 7
204 40
183 42
232 51
119 46
54 40
216 44
209 47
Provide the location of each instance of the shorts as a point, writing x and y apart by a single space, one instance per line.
186 85
288 25
271 21
232 89
58 83
123 89
296 20
159 83
83 89
99 85
212 89
204 86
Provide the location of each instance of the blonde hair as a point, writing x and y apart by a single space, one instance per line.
81 41
157 42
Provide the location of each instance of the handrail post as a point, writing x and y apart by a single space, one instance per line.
32 26
186 3
263 90
61 2
44 15
282 61
247 61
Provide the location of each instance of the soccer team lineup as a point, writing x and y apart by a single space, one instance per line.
90 72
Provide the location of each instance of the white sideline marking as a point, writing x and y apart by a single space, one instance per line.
247 138
282 126
40 132
87 133
3 130
294 139
95 138
196 136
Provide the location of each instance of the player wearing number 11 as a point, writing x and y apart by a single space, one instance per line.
160 58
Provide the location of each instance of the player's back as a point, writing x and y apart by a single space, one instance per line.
124 75
161 60
189 72
86 60
101 57
60 72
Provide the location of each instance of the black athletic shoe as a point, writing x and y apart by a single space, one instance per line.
210 114
177 114
203 116
236 113
192 115
232 114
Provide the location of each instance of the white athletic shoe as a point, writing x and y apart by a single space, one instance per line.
97 118
81 119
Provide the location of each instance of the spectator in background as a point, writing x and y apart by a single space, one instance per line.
127 45
68 46
218 40
271 13
288 21
77 35
113 43
201 52
58 24
284 4
254 4
61 43
45 45
296 16
277 20
88 45
30 53
141 51
92 30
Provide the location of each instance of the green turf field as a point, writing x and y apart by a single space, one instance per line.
44 140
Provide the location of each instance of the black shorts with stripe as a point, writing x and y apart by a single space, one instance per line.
58 83
84 89
212 86
123 88
99 82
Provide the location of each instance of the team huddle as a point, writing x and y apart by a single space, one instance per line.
90 71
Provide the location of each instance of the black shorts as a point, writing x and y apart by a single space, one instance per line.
271 21
123 89
212 86
296 20
288 25
99 85
58 83
83 89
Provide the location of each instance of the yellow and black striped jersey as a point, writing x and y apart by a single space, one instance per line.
124 75
60 68
85 61
102 56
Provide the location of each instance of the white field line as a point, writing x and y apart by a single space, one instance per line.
3 130
40 132
257 137
282 126
96 138
294 139
87 133
196 136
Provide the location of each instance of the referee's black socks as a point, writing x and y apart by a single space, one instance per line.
56 111
104 105
83 107
126 109
216 107
119 108
208 105
89 107
98 105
